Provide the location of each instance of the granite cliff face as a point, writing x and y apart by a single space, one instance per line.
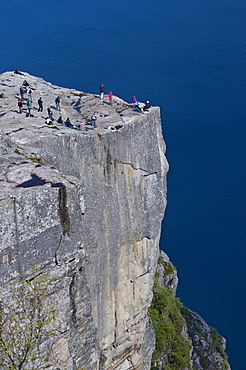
86 208
82 208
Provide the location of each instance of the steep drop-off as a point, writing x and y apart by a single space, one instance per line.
84 207
96 232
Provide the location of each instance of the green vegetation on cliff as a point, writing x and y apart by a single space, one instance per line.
168 266
168 324
212 338
24 323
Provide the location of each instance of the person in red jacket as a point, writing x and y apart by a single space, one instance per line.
110 97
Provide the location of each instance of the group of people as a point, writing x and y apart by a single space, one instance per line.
67 123
110 95
25 88
135 103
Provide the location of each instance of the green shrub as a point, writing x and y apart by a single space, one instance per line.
24 322
216 341
168 323
168 266
218 347
185 312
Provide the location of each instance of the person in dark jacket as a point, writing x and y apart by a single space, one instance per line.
146 106
18 72
68 123
40 105
58 103
60 120
101 91
20 105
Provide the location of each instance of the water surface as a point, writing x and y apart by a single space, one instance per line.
188 56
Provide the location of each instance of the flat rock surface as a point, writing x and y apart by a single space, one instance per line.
18 132
76 105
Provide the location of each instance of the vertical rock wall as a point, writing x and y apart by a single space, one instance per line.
98 235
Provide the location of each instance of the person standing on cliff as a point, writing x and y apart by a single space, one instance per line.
22 92
58 103
30 95
110 97
93 119
101 91
40 105
29 107
20 105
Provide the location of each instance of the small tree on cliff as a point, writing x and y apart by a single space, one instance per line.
24 324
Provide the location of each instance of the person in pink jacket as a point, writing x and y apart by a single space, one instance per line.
134 101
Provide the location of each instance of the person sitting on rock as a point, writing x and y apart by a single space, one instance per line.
134 101
48 121
112 128
68 123
17 72
60 120
146 106
25 83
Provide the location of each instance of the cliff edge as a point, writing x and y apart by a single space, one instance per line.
84 207
80 223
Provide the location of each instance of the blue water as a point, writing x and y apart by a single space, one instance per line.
188 56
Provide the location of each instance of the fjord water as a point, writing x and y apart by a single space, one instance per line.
188 57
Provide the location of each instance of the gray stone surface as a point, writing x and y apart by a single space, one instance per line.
207 345
207 350
92 220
